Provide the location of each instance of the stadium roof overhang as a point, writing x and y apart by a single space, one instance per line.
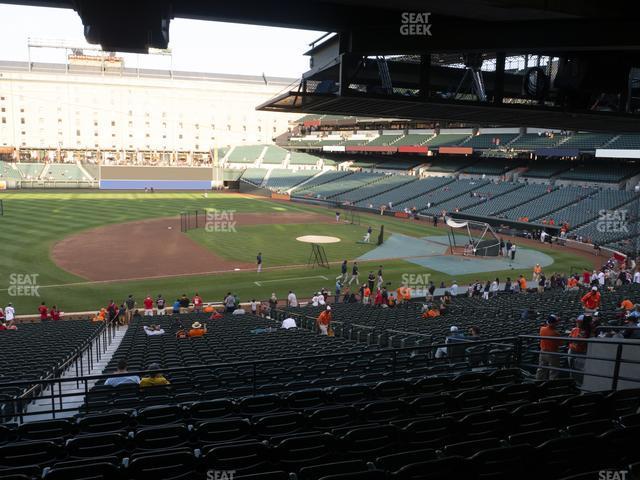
453 111
588 78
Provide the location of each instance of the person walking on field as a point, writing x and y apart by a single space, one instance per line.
343 272
259 261
367 236
354 274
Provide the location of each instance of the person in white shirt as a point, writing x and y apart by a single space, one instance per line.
494 288
9 313
238 311
454 289
288 323
601 279
636 277
292 299
153 330
315 300
321 300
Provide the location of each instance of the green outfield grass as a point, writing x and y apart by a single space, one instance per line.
34 221
278 243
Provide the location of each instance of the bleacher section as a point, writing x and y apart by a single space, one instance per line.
405 192
412 139
489 140
531 141
442 194
245 154
608 172
64 172
282 179
300 158
38 350
589 208
347 183
492 166
450 164
30 171
93 170
586 141
389 182
398 164
548 203
625 142
8 173
274 155
481 194
447 139
545 168
254 175
384 140
353 412
308 189
497 205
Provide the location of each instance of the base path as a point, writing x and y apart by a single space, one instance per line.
153 248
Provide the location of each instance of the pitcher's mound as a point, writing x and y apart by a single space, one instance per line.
318 239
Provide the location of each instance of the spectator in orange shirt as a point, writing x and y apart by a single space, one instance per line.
366 295
583 329
197 330
537 270
324 321
523 284
626 305
572 284
548 350
591 300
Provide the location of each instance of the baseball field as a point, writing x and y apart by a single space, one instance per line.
80 249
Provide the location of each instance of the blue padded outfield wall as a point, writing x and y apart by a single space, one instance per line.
156 184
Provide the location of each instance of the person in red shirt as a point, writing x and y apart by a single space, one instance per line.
591 301
54 313
548 350
43 311
197 303
148 306
216 315
586 277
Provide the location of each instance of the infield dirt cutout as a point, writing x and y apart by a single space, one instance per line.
149 248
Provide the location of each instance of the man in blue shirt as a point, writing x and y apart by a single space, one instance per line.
122 368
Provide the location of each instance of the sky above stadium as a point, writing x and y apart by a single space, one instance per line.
196 45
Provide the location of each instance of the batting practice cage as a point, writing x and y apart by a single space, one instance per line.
472 238
348 213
